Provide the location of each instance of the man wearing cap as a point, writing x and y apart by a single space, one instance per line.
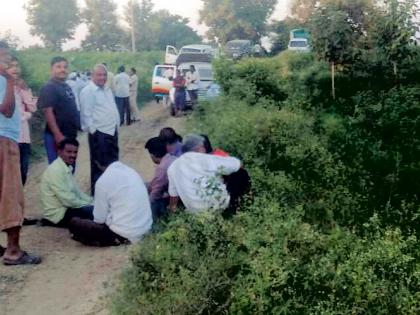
196 178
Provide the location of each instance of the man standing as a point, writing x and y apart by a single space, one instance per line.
58 102
193 78
122 94
110 79
134 85
121 212
11 189
61 198
100 118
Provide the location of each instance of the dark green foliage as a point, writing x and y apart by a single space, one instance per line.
332 227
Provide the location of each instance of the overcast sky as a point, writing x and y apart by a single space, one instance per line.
13 17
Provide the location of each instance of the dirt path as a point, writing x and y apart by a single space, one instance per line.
73 279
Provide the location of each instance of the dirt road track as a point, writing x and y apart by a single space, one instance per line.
74 279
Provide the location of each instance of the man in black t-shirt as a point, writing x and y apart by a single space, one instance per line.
58 102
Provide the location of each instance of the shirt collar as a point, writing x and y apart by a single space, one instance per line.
69 168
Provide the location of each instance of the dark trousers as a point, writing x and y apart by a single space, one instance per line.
83 212
90 233
103 150
159 208
123 105
180 99
25 153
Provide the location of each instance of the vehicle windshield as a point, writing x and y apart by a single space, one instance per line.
235 45
190 50
205 73
299 43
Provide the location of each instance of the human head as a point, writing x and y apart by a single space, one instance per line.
4 56
178 73
99 75
207 144
157 149
133 71
13 68
192 68
193 143
59 68
171 139
68 149
121 69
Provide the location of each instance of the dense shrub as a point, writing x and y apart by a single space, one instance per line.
332 227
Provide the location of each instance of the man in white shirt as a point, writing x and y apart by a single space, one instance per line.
122 94
100 118
196 178
193 79
134 85
121 212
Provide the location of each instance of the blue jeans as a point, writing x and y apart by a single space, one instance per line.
50 147
25 153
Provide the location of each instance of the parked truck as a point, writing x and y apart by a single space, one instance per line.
299 40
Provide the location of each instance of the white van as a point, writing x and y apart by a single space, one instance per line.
172 53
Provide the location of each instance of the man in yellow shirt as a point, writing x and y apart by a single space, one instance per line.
61 197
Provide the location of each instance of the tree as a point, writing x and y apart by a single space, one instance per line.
102 22
333 38
11 40
233 19
139 18
54 21
395 30
174 30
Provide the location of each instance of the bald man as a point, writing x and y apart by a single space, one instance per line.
101 119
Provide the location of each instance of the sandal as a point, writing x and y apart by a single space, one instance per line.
25 259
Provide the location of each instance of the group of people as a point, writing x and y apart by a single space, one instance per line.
121 207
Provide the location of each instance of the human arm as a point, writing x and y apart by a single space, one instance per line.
52 124
7 106
47 100
159 185
224 165
173 203
173 193
86 110
29 100
101 207
62 185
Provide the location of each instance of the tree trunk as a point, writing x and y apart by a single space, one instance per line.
395 69
333 79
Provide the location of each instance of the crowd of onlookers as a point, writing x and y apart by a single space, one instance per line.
121 207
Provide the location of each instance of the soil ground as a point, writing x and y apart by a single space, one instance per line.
74 279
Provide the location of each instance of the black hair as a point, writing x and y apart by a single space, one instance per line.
207 144
57 60
121 69
156 146
3 45
66 141
169 135
133 70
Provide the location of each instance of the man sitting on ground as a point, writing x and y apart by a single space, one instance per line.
61 197
196 178
158 187
173 141
121 212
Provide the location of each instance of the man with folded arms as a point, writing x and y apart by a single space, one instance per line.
100 118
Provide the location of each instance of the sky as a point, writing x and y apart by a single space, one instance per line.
13 17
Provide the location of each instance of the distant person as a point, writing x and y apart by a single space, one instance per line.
121 212
11 196
58 102
101 119
158 187
197 178
27 105
110 79
134 85
61 198
173 141
193 80
72 82
179 84
122 95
